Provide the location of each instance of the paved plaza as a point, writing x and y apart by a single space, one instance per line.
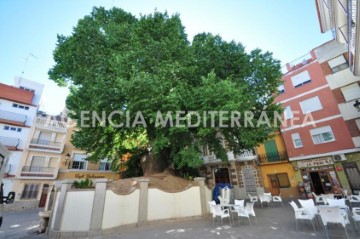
276 222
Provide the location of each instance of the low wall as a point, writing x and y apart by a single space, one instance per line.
93 212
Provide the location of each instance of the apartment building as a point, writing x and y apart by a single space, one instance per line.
18 107
315 134
334 61
48 157
342 18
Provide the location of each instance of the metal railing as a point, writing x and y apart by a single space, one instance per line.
45 142
301 61
246 155
273 157
9 141
37 169
11 116
48 122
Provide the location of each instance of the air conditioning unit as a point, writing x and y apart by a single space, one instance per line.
339 157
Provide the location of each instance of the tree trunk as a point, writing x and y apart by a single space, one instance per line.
152 164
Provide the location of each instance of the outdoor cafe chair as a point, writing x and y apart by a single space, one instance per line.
243 212
302 214
217 211
265 198
318 199
338 202
354 199
277 199
253 199
356 215
327 196
333 215
237 203
308 205
249 208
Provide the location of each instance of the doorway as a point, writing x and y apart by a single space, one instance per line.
222 175
43 197
274 184
353 176
316 181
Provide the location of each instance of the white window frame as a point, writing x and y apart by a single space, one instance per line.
318 135
281 88
296 140
351 92
301 79
288 113
338 63
311 105
32 191
105 165
82 163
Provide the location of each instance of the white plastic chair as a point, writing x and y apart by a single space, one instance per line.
354 199
249 208
237 203
253 199
242 212
302 214
356 215
327 196
318 199
277 199
265 198
338 202
217 211
308 205
333 215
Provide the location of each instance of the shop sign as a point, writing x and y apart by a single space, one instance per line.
315 162
88 175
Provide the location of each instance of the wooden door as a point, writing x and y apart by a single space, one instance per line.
274 184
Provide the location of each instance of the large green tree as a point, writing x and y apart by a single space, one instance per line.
114 61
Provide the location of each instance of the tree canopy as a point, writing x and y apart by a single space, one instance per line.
114 61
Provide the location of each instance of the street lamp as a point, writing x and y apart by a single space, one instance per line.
357 105
67 157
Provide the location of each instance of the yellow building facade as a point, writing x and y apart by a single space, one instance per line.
277 172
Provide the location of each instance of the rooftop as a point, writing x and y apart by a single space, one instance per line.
16 94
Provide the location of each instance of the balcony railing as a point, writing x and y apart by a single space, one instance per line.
299 62
36 171
245 156
12 117
50 123
10 142
273 157
39 144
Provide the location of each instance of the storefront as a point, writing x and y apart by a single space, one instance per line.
319 175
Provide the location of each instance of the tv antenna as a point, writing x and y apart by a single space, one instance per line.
26 61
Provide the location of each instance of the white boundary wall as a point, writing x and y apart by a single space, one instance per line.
120 209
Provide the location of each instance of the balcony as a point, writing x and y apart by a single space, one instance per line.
247 155
270 158
45 145
50 123
8 117
299 62
38 172
9 142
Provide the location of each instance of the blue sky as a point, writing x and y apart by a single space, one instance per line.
289 29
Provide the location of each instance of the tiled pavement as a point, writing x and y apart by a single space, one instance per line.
276 222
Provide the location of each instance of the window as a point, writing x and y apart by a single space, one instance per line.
283 180
301 79
322 135
281 89
288 113
30 191
11 128
296 140
23 107
27 89
311 105
79 161
337 64
351 92
105 166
